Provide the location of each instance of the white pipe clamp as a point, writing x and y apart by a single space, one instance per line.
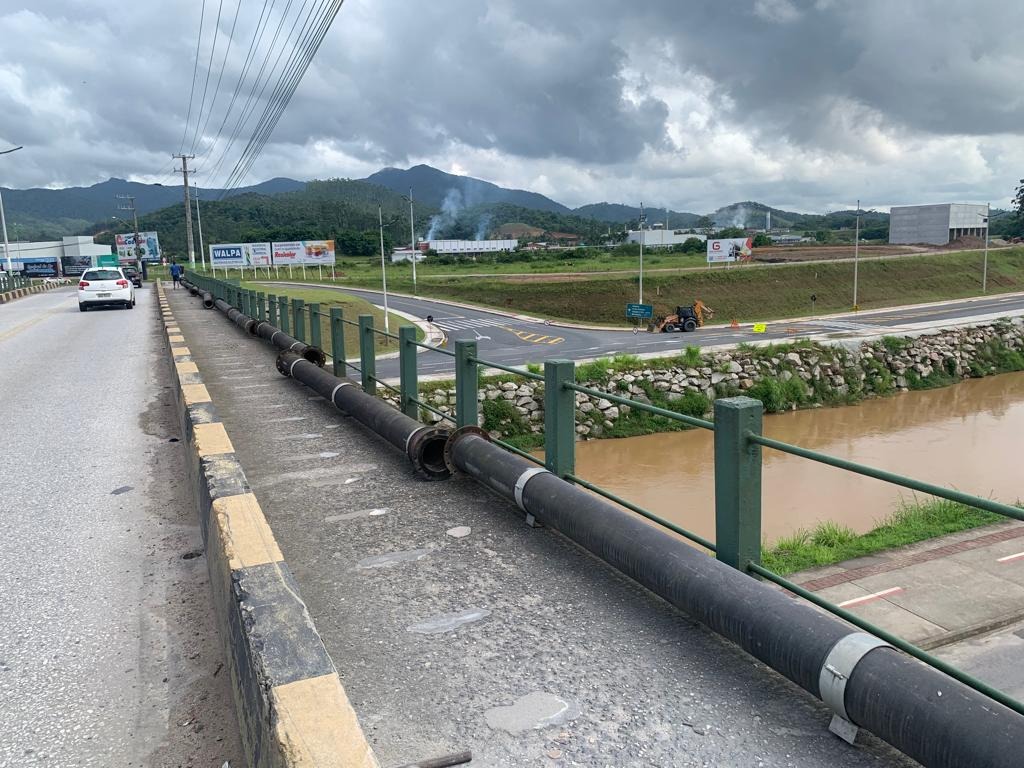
523 480
839 665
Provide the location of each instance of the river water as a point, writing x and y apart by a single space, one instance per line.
969 436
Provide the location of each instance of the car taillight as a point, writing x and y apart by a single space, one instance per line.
123 283
82 284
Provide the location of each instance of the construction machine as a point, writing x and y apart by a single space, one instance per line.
685 319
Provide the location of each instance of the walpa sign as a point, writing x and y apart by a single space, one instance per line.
224 255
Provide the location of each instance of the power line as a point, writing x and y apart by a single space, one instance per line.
209 71
195 72
261 27
223 66
247 110
284 91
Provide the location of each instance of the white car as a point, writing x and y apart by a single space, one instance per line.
105 287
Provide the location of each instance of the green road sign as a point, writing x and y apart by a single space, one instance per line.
639 310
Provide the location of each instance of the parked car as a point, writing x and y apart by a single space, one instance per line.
132 273
105 287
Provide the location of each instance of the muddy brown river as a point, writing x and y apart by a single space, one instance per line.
969 436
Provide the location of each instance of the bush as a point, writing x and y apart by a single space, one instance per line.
501 416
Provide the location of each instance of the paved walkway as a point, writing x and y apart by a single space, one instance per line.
454 626
936 592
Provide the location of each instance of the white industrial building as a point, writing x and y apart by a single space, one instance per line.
661 237
41 259
400 255
471 247
936 224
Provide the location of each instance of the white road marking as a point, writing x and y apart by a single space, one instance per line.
1008 558
872 596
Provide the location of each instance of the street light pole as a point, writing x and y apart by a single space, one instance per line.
383 268
199 218
3 221
984 267
412 243
641 253
856 256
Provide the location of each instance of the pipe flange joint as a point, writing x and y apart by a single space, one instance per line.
454 438
839 665
335 392
524 478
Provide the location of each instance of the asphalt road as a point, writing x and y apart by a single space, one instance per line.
517 341
107 642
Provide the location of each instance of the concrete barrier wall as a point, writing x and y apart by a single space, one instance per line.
19 293
292 709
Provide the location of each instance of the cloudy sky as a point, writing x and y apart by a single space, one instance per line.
802 104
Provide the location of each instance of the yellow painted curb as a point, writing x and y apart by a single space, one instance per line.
317 726
245 535
176 339
195 394
179 351
212 439
186 366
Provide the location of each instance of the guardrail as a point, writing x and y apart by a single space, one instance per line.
13 281
737 428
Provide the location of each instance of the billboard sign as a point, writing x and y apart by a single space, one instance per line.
73 266
732 249
299 252
148 242
39 267
227 255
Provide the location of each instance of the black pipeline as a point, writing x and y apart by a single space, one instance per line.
194 290
923 713
423 445
265 330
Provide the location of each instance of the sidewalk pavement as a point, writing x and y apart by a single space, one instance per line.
936 592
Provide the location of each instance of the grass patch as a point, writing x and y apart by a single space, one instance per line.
829 543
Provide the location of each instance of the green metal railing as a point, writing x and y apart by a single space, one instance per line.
737 428
13 281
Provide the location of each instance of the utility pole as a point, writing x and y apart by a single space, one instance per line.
3 223
856 254
984 267
188 208
412 242
129 205
199 220
383 268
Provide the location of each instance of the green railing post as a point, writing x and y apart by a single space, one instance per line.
737 481
299 320
367 354
409 385
250 303
261 306
467 383
272 310
315 326
285 325
337 341
559 417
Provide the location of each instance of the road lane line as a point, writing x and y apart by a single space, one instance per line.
872 596
1009 558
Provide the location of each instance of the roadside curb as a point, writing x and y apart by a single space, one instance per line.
292 708
20 293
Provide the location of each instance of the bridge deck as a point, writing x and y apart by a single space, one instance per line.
508 641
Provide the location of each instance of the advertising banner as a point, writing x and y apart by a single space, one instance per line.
148 242
227 255
733 249
39 267
319 252
74 266
303 252
256 254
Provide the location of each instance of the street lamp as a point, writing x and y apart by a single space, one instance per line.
383 268
984 266
643 219
412 240
3 220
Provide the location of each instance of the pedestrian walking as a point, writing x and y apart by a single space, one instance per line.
176 273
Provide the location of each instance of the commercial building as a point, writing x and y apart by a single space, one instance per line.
936 224
406 254
471 247
50 258
662 238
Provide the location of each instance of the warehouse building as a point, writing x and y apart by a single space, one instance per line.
659 237
936 224
70 255
470 247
